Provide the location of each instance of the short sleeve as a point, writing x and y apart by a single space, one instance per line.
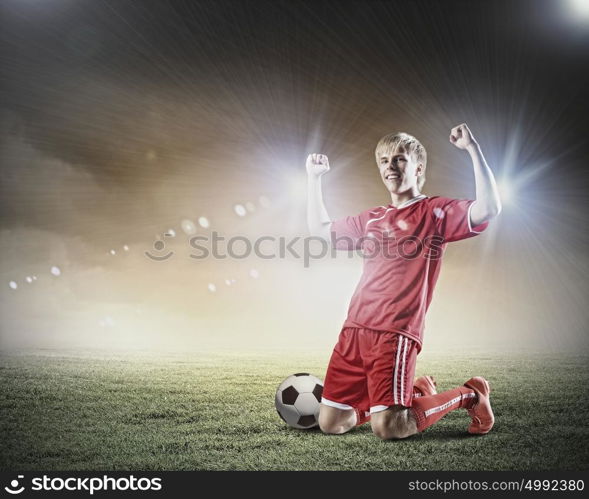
347 232
452 218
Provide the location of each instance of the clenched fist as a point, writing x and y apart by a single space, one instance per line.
317 165
462 137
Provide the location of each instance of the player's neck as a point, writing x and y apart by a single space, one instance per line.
398 198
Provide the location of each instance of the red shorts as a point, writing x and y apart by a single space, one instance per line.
370 370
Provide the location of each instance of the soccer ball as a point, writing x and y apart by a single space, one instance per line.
297 400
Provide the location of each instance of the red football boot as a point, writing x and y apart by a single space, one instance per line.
481 412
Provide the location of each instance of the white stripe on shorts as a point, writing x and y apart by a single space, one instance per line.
337 405
378 408
395 397
403 371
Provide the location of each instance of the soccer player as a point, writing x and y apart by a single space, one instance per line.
370 373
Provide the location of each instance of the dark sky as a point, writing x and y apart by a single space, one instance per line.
93 82
119 118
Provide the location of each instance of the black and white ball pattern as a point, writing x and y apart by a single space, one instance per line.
297 400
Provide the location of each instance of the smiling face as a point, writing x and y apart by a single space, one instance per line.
399 170
401 162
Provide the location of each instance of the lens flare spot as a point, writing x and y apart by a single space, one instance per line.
264 202
240 210
254 274
13 285
188 227
204 222
211 287
56 271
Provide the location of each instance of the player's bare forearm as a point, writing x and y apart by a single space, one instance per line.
488 202
318 220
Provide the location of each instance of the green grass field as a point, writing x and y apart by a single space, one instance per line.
216 412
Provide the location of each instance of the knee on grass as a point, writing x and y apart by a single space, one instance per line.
392 426
335 425
333 429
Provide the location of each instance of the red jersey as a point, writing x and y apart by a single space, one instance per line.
402 250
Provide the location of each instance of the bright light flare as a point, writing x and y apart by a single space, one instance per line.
507 191
297 186
579 9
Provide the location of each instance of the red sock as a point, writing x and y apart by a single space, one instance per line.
429 410
361 416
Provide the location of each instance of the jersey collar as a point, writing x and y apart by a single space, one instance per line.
409 202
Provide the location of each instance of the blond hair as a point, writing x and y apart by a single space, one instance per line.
393 141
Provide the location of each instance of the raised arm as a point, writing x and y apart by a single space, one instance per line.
318 220
488 203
